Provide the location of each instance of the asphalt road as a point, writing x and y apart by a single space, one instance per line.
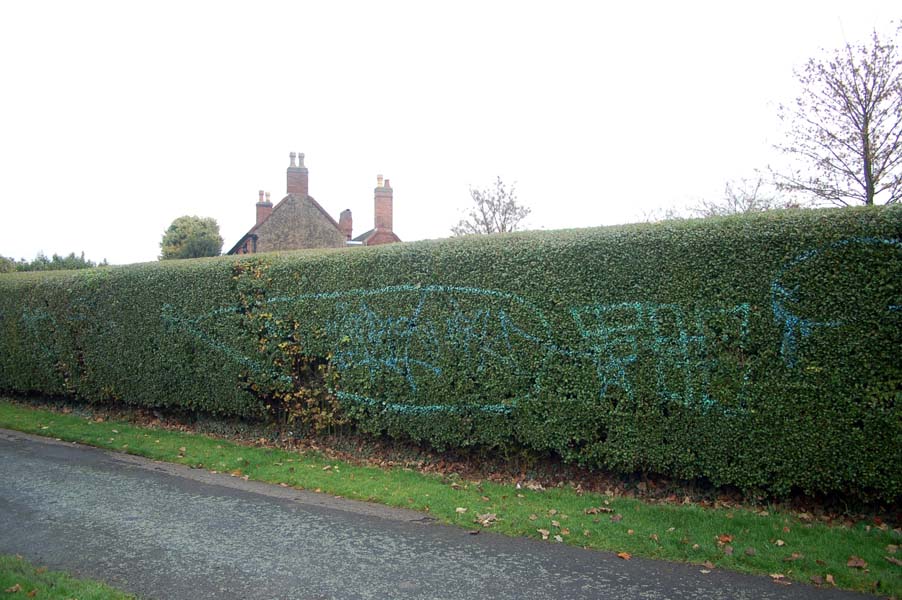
169 532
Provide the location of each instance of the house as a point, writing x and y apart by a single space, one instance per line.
298 221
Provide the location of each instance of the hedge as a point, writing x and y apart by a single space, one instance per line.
760 351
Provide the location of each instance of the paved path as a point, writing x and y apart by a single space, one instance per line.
168 532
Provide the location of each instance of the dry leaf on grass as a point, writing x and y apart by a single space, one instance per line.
624 555
856 562
594 510
545 533
486 520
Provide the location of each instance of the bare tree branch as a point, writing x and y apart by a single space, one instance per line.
845 129
495 211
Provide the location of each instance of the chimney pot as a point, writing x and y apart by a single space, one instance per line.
297 176
383 206
378 180
267 196
261 196
345 223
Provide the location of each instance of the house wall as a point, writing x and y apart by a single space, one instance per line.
297 223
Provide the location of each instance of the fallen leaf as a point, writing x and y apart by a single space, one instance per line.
327 467
484 498
793 556
555 523
624 555
817 580
594 510
114 430
669 529
723 538
750 551
545 533
558 539
728 550
460 510
586 532
830 579
695 546
533 517
892 548
616 518
552 512
182 449
704 571
534 486
708 564
32 593
653 537
13 589
856 562
486 520
894 560
565 531
786 530
780 543
776 576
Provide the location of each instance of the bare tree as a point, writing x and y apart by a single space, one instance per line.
742 196
845 129
496 211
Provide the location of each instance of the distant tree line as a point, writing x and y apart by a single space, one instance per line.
55 263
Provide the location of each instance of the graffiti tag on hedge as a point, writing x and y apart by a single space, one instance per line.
422 349
814 291
411 341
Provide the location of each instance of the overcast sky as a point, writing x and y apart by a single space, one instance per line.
118 117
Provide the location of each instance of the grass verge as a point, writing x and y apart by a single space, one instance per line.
786 547
21 579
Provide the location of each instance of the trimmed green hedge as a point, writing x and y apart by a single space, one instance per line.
760 351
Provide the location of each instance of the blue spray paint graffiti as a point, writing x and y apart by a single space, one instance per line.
408 341
375 332
786 298
679 345
371 333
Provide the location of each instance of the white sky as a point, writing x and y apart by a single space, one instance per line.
118 117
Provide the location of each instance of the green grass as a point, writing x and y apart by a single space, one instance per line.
761 541
21 579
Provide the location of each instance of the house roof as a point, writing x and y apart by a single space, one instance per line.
275 209
364 236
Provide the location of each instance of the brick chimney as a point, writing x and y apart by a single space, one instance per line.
345 223
297 176
264 208
383 205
